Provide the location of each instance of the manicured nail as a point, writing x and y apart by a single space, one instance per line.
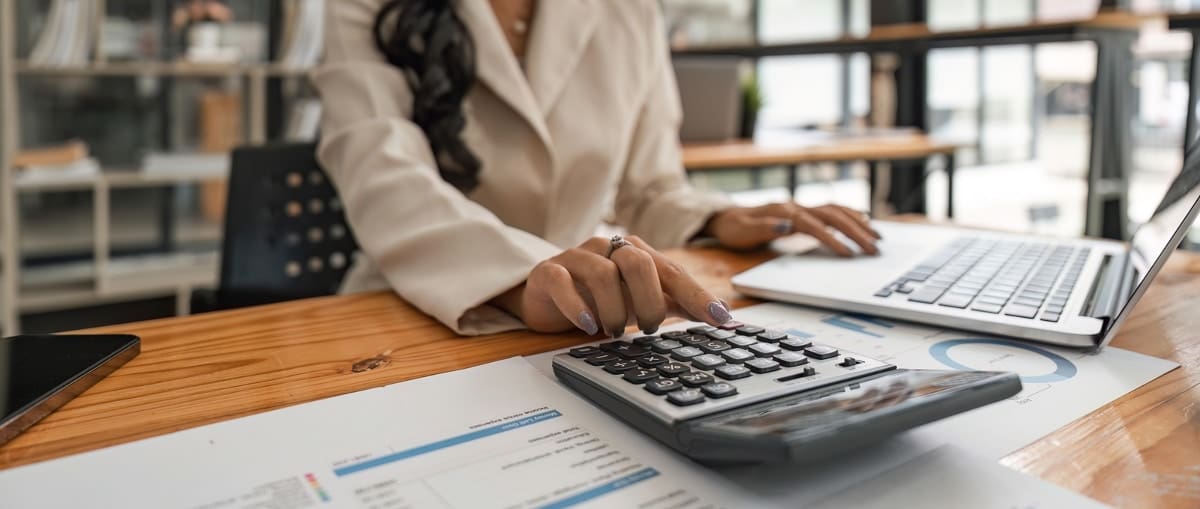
650 331
783 226
589 323
719 312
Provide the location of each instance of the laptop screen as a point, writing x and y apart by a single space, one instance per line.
1154 241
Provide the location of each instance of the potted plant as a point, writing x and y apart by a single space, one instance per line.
752 103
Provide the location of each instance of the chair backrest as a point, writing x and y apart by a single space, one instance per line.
285 234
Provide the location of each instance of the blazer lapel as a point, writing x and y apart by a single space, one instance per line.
497 67
560 34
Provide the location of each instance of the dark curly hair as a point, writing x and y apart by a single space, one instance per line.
431 45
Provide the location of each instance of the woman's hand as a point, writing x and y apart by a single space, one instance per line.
749 227
583 288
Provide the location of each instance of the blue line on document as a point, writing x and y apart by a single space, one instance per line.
442 444
603 489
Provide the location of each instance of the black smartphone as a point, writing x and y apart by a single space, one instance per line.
40 373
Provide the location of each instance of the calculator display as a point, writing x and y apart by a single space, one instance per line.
823 410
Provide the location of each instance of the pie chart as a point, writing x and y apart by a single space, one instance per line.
1033 364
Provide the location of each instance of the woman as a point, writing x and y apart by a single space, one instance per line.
475 142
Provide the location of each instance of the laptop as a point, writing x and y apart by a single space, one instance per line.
1070 292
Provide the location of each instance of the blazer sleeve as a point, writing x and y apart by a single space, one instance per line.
655 200
440 251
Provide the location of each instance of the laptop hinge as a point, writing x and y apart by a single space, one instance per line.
1106 295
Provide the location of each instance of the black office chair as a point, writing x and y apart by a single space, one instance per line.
285 234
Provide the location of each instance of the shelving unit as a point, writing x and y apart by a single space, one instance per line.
105 278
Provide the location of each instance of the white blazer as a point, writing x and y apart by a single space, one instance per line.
588 132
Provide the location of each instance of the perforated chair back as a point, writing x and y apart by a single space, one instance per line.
285 234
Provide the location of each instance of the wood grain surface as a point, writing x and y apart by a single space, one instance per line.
1140 451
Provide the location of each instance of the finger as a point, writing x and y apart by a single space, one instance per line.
756 231
781 209
674 309
556 282
806 223
861 218
685 290
645 292
848 227
602 279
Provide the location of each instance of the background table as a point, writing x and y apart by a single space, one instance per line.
1139 451
754 155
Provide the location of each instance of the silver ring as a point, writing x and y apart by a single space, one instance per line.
615 243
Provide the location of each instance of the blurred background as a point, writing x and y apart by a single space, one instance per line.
119 116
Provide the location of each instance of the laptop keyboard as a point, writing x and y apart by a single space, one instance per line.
1014 278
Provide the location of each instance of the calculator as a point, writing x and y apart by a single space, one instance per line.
744 394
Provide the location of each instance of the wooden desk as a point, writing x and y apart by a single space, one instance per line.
872 149
1140 451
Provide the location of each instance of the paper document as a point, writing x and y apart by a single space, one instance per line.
498 435
1060 386
950 478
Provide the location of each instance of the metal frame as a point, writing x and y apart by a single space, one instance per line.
9 254
1192 25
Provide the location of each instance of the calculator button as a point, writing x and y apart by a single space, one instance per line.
764 349
584 351
630 351
701 329
644 341
639 375
731 325
715 346
612 346
732 372
741 341
663 385
686 353
795 344
750 330
719 390
821 352
694 340
707 361
720 334
762 365
675 335
849 361
790 359
665 345
737 355
652 360
673 369
686 397
601 359
771 336
621 366
695 378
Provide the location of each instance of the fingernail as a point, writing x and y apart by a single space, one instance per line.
650 331
589 323
719 312
783 226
